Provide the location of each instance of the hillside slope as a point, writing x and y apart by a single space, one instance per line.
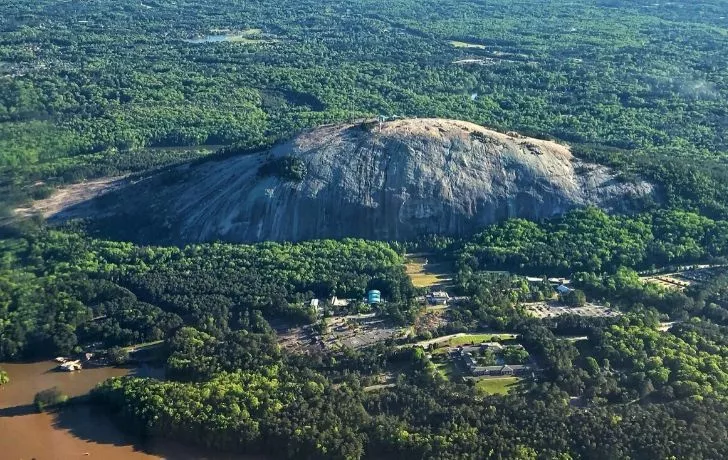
394 181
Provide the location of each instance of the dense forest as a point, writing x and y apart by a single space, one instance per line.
636 85
108 88
590 240
230 386
60 289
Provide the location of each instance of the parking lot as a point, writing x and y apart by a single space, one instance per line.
683 279
554 309
299 339
670 281
358 333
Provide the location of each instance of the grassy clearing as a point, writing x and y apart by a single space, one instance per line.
458 44
251 32
249 41
419 278
443 347
425 275
448 369
477 338
249 36
494 386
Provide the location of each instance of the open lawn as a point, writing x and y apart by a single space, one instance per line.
425 274
418 276
444 346
448 369
477 338
493 386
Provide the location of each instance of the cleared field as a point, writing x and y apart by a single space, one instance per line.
477 338
419 278
68 196
458 44
249 40
445 345
424 274
493 386
248 36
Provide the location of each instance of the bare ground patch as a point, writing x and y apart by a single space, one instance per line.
71 195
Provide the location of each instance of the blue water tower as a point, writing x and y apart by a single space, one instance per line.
374 296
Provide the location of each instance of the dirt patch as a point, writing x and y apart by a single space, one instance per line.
71 195
431 321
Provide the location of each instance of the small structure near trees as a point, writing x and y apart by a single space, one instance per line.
439 298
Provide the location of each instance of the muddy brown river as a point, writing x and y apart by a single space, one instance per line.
76 432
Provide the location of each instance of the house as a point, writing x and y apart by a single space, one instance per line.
558 281
336 302
563 290
518 369
439 298
491 346
508 369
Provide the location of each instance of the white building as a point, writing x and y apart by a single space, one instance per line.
336 302
439 298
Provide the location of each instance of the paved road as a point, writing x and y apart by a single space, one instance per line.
426 343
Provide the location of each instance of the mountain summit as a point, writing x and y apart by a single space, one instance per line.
393 180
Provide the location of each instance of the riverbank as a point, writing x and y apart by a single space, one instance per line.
71 432
78 429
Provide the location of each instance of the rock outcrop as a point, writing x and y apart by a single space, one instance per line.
396 180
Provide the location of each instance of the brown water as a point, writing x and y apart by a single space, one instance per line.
77 432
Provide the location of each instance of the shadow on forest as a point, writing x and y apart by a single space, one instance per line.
91 423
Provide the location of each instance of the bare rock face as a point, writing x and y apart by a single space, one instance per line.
396 180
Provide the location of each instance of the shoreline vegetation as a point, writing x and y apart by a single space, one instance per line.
50 398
